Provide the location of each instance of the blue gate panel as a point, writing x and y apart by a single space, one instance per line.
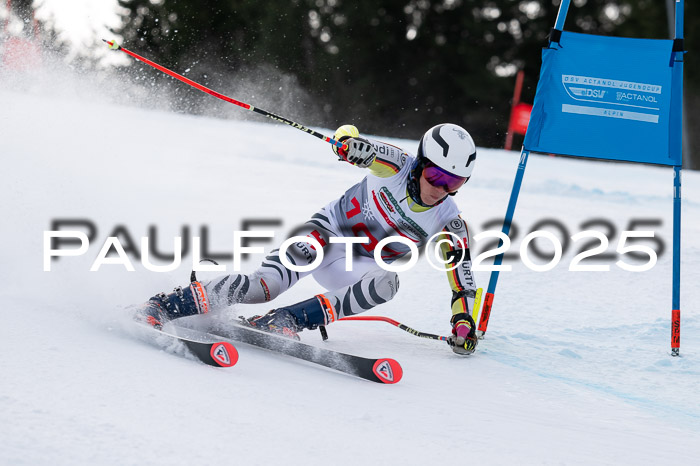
605 97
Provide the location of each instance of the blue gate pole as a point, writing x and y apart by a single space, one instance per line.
488 299
493 280
677 153
676 301
561 16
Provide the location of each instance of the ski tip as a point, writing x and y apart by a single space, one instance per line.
387 370
224 354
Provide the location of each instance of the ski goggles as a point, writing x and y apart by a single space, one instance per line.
440 178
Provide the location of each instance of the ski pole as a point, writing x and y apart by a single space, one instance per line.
114 46
475 313
477 304
406 328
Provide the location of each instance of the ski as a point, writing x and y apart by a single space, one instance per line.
215 353
382 370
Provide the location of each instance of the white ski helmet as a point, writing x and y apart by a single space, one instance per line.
450 147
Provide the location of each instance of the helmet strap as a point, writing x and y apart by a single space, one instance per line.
413 185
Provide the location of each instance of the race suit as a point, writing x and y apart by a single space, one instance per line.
375 208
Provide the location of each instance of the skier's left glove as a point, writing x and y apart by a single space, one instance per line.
463 339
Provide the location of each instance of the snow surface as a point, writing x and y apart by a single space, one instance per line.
575 367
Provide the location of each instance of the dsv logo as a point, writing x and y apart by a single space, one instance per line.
585 92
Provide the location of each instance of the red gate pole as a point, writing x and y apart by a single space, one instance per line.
516 101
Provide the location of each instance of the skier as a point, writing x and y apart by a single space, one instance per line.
402 196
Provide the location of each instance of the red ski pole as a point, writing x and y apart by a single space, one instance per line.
396 324
114 46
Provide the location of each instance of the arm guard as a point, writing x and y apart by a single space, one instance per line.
461 278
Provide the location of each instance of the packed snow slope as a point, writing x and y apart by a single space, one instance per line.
574 369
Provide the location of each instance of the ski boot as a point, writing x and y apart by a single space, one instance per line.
289 321
182 302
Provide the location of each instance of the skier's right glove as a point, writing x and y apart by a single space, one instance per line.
360 152
357 151
463 339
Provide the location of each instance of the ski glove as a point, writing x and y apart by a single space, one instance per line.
463 339
360 152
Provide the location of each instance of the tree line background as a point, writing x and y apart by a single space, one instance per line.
394 67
